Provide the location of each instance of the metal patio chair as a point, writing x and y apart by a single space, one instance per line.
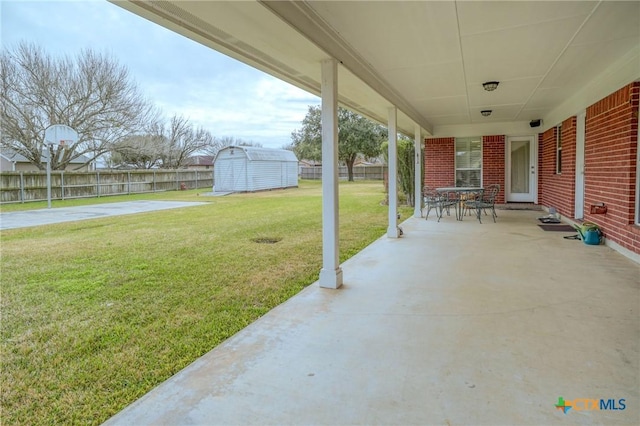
484 201
431 200
448 199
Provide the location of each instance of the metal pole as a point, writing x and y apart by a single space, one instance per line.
49 176
21 187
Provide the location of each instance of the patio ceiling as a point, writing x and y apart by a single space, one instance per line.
429 59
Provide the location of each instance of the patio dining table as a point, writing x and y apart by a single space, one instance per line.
458 199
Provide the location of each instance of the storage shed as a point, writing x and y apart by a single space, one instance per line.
248 168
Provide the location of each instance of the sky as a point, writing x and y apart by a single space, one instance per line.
178 75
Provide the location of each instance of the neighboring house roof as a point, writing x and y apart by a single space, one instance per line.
13 156
370 162
200 160
310 163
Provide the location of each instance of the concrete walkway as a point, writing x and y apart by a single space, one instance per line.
455 323
23 219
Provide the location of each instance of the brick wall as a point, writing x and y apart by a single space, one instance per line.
611 149
439 162
611 143
558 190
493 163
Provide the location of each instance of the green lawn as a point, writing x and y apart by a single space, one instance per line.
96 313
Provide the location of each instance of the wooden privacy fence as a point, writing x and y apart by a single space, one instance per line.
20 187
359 172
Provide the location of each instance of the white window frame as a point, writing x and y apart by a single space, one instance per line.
637 218
468 139
559 149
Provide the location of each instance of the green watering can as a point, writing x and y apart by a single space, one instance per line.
590 233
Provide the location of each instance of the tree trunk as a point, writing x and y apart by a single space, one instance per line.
350 162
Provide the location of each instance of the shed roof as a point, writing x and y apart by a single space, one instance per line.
265 154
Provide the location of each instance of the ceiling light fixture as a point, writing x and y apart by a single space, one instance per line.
486 112
490 86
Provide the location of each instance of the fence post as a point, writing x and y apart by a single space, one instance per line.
197 179
62 184
154 181
177 180
98 183
128 182
22 187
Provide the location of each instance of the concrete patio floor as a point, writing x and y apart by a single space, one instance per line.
455 323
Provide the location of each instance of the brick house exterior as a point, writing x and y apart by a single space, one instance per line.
493 159
558 189
610 166
440 162
611 155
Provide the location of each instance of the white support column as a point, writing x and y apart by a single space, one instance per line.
331 273
392 230
417 145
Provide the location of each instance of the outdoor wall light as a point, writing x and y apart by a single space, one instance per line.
486 112
490 86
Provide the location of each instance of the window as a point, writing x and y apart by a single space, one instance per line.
468 161
559 149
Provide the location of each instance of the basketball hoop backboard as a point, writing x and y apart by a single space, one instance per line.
60 135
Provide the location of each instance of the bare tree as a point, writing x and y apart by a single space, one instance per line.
165 145
91 93
139 151
182 141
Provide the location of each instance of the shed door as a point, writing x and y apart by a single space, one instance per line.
239 174
231 175
224 175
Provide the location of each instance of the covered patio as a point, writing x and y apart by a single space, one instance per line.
541 98
452 323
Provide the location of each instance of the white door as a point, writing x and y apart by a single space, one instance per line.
579 201
521 182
